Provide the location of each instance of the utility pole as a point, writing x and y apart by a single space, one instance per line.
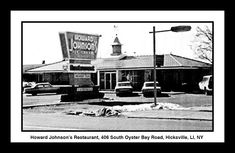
154 67
173 29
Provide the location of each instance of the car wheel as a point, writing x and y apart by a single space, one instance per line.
117 94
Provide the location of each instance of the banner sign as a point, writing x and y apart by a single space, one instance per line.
82 75
79 45
75 61
81 68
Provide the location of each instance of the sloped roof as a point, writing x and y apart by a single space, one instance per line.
146 61
31 66
57 66
125 62
116 41
189 62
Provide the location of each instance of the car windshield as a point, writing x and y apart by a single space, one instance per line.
150 84
39 86
124 84
33 85
211 79
205 79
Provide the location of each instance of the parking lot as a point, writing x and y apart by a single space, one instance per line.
183 99
41 99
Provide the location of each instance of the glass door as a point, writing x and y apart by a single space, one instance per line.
113 80
110 80
107 81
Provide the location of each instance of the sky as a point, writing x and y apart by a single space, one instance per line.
41 40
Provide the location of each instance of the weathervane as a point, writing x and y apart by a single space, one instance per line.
115 29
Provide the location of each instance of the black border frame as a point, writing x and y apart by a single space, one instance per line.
22 23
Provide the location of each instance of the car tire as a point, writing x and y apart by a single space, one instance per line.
117 94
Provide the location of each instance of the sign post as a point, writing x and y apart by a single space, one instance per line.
78 49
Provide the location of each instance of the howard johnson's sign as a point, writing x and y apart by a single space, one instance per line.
79 45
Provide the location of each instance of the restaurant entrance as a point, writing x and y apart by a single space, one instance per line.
110 80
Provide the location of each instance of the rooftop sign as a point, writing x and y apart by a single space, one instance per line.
79 45
159 60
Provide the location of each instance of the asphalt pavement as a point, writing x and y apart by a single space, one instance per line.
62 122
199 112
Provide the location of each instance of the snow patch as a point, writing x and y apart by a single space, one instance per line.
116 110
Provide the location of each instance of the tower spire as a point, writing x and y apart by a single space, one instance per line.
116 46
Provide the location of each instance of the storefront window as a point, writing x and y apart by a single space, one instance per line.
102 80
136 77
147 75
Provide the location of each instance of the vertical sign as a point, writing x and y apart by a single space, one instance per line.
79 45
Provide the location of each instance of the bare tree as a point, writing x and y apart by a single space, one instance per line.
202 43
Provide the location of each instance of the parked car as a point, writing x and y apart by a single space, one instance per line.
148 88
44 87
27 84
123 88
206 84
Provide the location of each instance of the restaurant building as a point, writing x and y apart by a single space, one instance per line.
173 74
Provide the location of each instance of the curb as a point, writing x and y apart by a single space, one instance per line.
42 105
194 119
56 104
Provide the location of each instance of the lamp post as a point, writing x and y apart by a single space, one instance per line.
173 29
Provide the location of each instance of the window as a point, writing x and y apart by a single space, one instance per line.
210 83
40 86
124 84
47 86
151 84
101 80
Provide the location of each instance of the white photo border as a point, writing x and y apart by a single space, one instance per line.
217 17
